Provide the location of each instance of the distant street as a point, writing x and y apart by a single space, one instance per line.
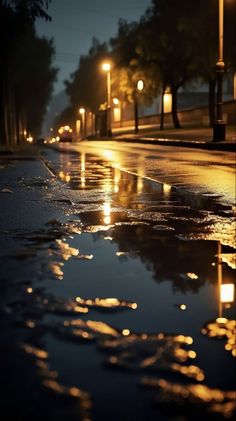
198 171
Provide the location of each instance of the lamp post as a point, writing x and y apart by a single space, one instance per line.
83 128
107 68
138 89
219 125
225 290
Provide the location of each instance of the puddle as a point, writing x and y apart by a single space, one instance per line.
128 297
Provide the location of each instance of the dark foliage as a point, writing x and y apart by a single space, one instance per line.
26 74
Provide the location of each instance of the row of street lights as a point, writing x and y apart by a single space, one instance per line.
219 125
138 89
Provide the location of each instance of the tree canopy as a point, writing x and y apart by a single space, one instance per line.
26 73
173 44
87 85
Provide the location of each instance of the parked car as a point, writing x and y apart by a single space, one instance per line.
65 134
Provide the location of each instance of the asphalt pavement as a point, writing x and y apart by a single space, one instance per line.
38 224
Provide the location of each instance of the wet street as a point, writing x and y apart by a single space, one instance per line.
197 171
130 314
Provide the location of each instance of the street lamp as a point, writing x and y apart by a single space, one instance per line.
219 125
138 89
82 113
107 68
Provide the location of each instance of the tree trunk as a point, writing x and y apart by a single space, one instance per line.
162 109
4 137
211 101
135 114
174 108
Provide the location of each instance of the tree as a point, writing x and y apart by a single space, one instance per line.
128 68
34 79
17 34
206 45
87 85
169 31
29 10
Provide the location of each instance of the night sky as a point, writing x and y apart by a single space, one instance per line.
75 22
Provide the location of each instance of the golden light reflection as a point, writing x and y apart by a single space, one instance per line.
56 270
30 324
216 401
106 209
223 328
140 185
64 177
107 213
192 275
82 170
107 154
82 162
37 352
121 253
66 251
190 371
227 293
82 181
125 332
102 328
116 180
166 189
108 303
107 220
229 259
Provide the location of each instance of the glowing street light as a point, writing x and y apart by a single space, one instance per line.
115 101
219 125
106 67
82 112
138 89
140 85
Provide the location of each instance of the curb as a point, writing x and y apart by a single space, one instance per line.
219 146
196 144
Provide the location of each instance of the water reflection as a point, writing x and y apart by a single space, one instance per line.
197 399
222 327
153 224
107 213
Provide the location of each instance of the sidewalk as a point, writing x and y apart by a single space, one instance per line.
199 137
29 200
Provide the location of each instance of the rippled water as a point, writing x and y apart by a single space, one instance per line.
127 304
